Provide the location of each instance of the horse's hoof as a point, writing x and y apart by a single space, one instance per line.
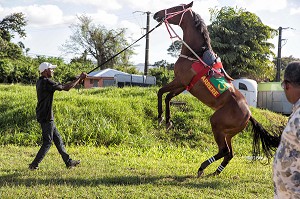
200 173
160 120
169 125
216 173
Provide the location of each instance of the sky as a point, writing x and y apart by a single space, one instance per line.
48 22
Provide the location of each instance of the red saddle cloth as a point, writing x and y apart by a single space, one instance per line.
202 70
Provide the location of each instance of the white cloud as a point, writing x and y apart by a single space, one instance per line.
157 5
259 5
151 5
39 15
44 14
202 8
104 18
132 29
294 11
103 4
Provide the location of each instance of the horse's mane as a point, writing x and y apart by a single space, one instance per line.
200 25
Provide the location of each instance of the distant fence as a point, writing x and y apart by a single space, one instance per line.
122 80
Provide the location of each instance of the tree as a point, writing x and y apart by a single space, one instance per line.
284 62
163 72
10 50
241 40
98 42
174 48
128 69
23 70
10 25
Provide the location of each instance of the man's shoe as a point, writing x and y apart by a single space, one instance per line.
73 163
33 167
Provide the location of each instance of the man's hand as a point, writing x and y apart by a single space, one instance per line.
78 80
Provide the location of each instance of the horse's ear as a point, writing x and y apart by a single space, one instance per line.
189 5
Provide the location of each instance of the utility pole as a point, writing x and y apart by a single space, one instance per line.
278 64
147 44
279 55
147 41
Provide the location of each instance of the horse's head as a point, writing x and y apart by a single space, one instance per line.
173 15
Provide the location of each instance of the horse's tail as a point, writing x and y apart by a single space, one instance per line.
269 142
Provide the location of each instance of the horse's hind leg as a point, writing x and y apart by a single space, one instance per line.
175 84
220 126
167 101
227 157
224 150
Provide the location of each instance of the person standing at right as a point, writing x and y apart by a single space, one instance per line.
286 165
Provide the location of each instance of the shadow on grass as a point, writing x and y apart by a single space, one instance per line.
19 179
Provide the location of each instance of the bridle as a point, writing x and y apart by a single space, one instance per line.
169 27
173 14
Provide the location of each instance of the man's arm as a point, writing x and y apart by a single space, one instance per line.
68 86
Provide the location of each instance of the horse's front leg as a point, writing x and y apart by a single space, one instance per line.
175 84
167 101
160 93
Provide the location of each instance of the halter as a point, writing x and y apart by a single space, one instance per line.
173 14
169 27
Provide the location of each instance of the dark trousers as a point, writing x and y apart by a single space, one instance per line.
50 133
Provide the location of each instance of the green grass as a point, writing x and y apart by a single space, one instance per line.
125 172
124 153
111 116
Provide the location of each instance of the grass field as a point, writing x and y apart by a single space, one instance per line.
124 153
124 172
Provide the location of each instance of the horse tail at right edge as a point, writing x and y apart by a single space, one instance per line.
268 141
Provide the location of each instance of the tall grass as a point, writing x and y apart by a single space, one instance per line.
112 116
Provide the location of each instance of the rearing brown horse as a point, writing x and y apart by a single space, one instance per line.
232 112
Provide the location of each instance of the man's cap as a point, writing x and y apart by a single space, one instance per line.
45 65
